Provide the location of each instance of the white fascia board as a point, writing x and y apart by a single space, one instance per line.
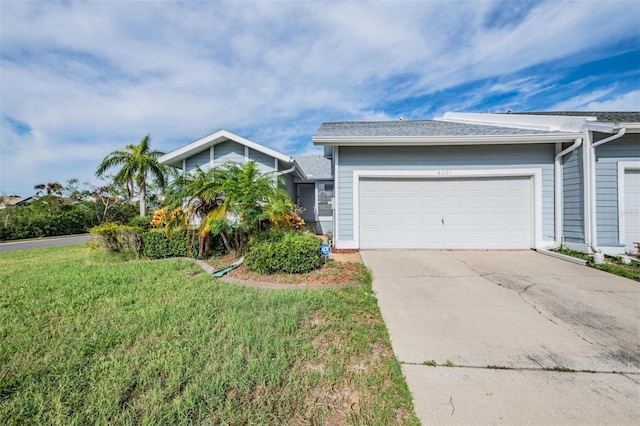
172 157
631 127
525 121
444 140
601 127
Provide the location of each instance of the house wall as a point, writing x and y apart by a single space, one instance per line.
573 197
264 162
201 159
627 148
443 157
228 151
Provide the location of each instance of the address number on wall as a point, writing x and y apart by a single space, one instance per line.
444 172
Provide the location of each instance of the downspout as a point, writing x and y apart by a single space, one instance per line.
593 244
286 172
557 164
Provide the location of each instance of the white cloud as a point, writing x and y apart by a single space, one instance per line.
88 77
604 100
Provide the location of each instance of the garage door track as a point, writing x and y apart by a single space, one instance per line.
518 337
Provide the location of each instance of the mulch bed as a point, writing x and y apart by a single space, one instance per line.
332 273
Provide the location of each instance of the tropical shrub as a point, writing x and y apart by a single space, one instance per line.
122 239
234 201
292 252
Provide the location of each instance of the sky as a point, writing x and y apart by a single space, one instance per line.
80 79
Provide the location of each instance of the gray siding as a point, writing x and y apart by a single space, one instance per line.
265 163
228 151
626 148
573 197
200 159
443 157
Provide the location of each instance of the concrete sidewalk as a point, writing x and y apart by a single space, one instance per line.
532 316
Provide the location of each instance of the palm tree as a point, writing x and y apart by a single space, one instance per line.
50 187
137 163
231 200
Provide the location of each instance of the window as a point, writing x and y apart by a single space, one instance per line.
325 195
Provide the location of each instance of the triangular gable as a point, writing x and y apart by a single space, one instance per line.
174 158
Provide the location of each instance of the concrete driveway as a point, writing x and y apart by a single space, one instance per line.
506 322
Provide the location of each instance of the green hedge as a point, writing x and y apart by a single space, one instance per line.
291 252
157 245
121 239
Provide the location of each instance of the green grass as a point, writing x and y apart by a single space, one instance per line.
611 265
84 339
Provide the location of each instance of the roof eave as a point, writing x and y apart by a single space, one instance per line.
443 140
174 158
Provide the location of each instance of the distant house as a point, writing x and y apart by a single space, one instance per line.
9 201
487 181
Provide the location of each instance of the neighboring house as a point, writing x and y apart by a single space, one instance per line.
9 201
305 187
601 177
486 181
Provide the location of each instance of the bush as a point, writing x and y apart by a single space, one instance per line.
143 222
156 244
292 252
122 239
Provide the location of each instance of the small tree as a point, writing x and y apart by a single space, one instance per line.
136 163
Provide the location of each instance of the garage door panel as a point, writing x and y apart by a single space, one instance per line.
446 213
631 208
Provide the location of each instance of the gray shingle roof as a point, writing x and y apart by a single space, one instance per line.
314 166
424 128
608 116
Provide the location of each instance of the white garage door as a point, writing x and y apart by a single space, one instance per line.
479 213
631 208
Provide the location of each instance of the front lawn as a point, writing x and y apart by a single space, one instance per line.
84 339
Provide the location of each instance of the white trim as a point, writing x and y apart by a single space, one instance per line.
275 165
336 197
348 244
315 199
535 173
184 166
215 138
246 154
444 140
211 158
623 166
586 178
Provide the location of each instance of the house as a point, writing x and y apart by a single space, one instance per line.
309 187
486 181
460 181
9 201
601 177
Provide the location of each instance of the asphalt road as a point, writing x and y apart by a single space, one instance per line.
44 242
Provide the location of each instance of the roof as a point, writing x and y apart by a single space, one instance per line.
314 166
9 201
609 116
427 132
175 157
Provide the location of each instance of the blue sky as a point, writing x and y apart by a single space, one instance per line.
81 79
